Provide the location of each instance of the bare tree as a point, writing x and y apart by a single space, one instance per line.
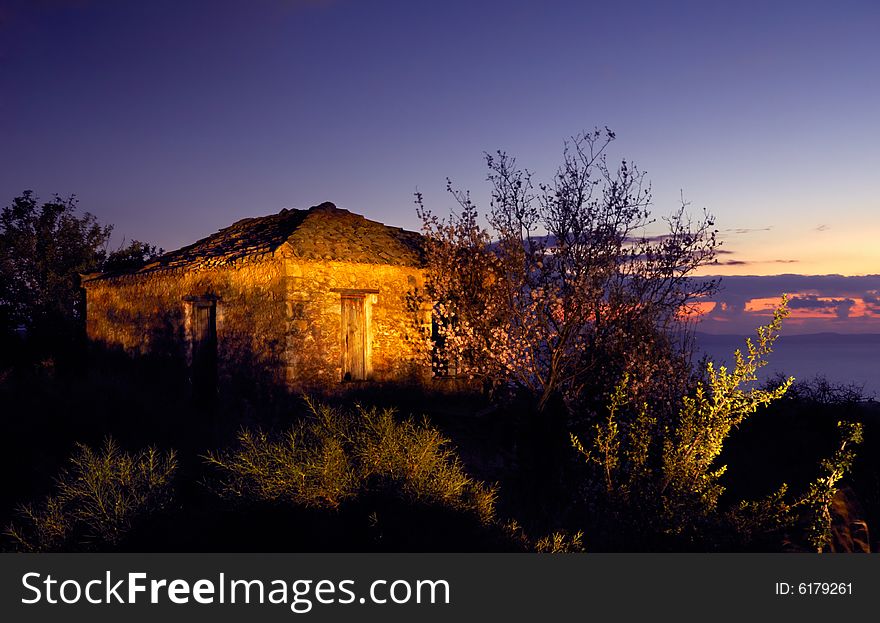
563 285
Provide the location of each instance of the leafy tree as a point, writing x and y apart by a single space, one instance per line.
131 257
563 292
43 248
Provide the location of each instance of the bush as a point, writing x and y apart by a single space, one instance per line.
660 477
334 456
99 498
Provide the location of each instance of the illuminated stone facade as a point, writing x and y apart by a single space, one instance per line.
302 299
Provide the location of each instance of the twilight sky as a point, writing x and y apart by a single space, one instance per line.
173 119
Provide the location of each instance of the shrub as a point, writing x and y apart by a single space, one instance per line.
662 474
816 503
334 456
100 496
663 470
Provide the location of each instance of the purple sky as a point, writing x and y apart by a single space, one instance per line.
173 119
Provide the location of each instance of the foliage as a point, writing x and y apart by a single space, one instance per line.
336 456
816 502
819 391
99 498
662 473
563 285
43 248
808 513
131 257
664 469
691 446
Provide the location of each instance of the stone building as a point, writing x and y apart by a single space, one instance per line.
300 299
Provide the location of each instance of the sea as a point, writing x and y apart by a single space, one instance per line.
840 358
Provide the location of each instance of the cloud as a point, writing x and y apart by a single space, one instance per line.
745 230
748 262
872 303
810 302
844 306
652 239
838 303
813 303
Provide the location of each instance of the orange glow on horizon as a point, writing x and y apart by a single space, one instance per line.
701 308
765 307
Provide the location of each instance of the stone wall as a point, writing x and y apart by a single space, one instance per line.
398 322
278 318
148 313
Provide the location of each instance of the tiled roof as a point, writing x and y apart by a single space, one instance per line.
323 232
328 233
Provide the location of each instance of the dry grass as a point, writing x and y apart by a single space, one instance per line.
99 497
335 455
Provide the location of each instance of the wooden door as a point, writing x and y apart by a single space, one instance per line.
354 338
204 349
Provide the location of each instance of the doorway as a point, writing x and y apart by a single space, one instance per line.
354 337
204 349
